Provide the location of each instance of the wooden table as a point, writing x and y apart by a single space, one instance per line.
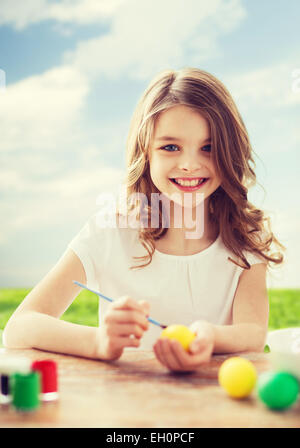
137 392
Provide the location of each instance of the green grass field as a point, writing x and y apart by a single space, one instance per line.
84 309
284 307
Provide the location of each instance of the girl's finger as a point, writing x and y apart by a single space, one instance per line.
158 352
197 346
127 303
168 355
125 330
187 361
201 350
161 353
126 341
184 360
127 316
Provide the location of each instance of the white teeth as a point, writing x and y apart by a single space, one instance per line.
189 183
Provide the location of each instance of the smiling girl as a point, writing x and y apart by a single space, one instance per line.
188 144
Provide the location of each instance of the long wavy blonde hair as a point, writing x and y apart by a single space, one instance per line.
242 226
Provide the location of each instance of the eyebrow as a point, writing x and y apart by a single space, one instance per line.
168 138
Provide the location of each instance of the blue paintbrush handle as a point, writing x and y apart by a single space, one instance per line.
111 300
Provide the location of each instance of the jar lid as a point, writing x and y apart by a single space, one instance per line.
14 364
48 371
25 390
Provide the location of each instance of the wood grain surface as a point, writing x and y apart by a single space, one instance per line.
137 392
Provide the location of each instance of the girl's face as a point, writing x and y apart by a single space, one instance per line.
180 156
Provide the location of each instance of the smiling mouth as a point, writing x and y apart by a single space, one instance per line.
191 183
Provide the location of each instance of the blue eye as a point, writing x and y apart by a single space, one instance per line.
169 146
206 148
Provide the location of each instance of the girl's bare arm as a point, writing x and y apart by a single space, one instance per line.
35 323
250 315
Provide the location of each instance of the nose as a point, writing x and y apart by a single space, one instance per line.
190 162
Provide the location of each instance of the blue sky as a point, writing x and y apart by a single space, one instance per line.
74 72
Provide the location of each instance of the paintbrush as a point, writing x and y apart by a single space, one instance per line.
152 321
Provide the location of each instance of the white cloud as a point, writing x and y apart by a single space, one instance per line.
39 111
151 19
146 37
270 86
83 11
65 11
270 107
25 13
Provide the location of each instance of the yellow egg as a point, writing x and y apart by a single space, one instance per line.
237 376
179 332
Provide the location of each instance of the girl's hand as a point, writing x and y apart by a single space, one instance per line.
173 356
123 326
